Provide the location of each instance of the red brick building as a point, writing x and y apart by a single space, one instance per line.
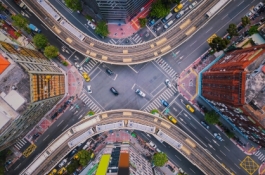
237 80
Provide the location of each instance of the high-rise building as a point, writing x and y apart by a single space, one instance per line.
236 83
116 11
30 86
122 159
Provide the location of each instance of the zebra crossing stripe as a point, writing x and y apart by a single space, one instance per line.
23 141
17 147
261 156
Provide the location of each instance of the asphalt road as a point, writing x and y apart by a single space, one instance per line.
126 79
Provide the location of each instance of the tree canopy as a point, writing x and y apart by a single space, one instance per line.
102 29
245 21
142 22
253 30
211 117
40 41
20 21
51 51
75 5
73 166
159 159
232 30
219 43
84 157
159 9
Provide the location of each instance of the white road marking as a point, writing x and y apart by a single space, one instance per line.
177 157
133 69
193 43
240 3
17 166
209 30
192 171
133 86
226 148
224 16
44 27
218 157
193 126
208 139
64 127
237 166
222 152
46 137
60 123
115 77
96 75
80 116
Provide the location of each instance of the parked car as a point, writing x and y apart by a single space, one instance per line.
205 124
139 92
63 162
240 28
73 153
89 89
218 136
109 71
168 83
35 136
34 28
164 103
180 14
114 91
170 168
193 5
152 145
91 24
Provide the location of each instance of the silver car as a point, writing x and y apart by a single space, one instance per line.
139 92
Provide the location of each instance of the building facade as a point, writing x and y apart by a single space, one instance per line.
116 11
236 86
29 87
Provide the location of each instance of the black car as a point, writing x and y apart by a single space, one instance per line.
205 124
114 91
35 136
109 71
240 28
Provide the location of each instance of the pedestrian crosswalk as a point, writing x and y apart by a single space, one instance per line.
166 67
20 144
169 92
112 41
90 103
260 155
87 67
137 39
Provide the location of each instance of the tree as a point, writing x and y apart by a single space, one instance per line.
253 30
159 159
102 29
153 111
73 166
232 30
219 43
245 21
212 117
229 134
159 9
65 63
142 22
20 21
169 2
90 113
51 51
40 41
84 157
75 5
2 8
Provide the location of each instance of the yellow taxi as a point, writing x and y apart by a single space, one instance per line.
86 77
53 172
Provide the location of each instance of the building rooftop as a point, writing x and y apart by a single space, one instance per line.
103 164
3 64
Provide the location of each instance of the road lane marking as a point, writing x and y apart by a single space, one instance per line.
133 69
193 126
226 148
222 152
224 16
237 166
209 30
17 166
96 75
64 127
80 116
208 139
193 43
60 123
46 137
177 157
115 77
240 3
192 171
218 157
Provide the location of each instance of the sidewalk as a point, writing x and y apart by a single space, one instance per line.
262 169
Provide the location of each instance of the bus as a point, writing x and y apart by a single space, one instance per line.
190 108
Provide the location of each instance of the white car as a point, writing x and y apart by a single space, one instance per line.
81 68
89 89
193 5
152 144
168 83
139 92
158 150
77 65
91 24
218 136
62 163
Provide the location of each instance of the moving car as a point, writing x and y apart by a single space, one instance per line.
190 108
77 65
139 92
218 136
86 77
205 124
109 71
172 119
89 89
114 91
91 24
168 83
152 144
164 103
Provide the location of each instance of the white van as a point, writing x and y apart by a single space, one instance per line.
87 144
62 163
167 18
168 24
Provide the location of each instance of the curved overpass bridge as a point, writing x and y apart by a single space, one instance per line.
124 119
121 54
